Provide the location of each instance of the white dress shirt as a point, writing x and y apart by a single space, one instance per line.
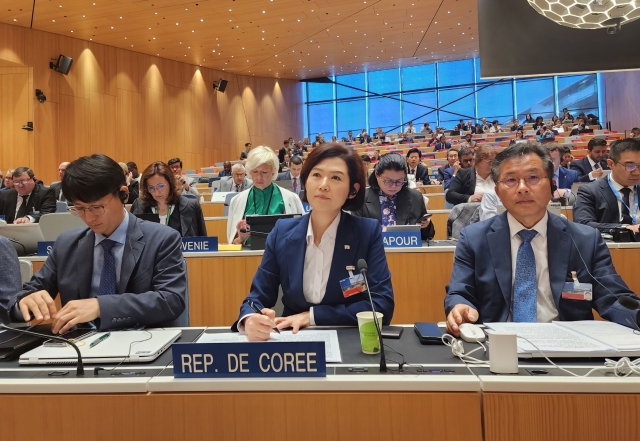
489 205
410 130
317 264
631 199
495 129
484 185
546 308
593 167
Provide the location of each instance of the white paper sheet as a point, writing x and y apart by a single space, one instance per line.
329 337
549 338
612 334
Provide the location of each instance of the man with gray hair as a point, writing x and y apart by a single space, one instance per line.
513 267
7 183
238 180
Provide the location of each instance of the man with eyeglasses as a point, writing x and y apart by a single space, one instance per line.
513 267
464 160
612 202
238 180
27 201
120 272
471 184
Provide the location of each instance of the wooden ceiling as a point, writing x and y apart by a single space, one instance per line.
271 38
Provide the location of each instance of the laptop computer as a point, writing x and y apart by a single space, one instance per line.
120 346
261 226
286 183
25 237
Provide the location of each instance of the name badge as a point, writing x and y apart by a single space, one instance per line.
253 359
199 244
44 248
352 285
402 239
581 291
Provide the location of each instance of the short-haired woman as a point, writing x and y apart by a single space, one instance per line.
308 256
263 198
161 195
390 201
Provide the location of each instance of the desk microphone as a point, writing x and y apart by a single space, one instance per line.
19 243
362 269
254 233
79 371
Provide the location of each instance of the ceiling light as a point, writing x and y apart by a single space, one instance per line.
589 14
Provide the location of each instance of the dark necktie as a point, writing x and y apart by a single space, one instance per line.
626 216
295 185
238 188
22 212
108 275
525 286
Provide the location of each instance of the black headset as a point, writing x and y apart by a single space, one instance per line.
124 195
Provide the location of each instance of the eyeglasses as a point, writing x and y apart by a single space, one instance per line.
392 183
158 187
529 181
96 210
21 182
630 168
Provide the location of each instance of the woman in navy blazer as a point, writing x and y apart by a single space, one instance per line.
334 179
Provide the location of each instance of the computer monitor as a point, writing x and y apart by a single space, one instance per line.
261 226
24 237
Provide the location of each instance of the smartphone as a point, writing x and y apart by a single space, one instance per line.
391 331
428 333
424 218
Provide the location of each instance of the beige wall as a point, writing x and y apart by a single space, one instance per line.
137 107
622 97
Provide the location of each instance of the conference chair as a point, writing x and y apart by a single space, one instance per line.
462 215
227 202
26 270
53 225
189 196
61 207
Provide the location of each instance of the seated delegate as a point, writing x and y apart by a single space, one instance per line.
28 200
161 195
471 183
120 272
513 267
390 201
263 198
308 256
10 282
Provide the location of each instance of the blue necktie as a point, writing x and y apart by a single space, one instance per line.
108 275
525 286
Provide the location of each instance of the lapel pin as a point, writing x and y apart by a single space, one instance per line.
347 247
351 268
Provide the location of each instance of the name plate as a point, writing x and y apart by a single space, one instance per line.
199 244
306 207
253 359
402 239
44 248
2 217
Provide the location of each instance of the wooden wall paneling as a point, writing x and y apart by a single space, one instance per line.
128 75
103 122
152 128
625 262
218 228
211 127
81 75
12 47
74 119
104 67
151 72
45 142
171 72
40 47
194 124
174 141
15 111
129 126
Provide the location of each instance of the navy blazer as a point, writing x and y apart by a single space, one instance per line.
283 265
10 282
481 276
583 167
597 206
153 277
448 177
566 177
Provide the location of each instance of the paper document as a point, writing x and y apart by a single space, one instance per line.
549 338
329 337
612 334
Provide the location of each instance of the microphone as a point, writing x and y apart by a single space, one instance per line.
79 371
362 269
629 302
19 243
254 233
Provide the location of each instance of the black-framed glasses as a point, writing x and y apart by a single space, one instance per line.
529 181
392 183
96 210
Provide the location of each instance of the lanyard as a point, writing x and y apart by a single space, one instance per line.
616 193
169 210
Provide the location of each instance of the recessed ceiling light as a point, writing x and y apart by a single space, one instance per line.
53 21
202 19
71 30
111 27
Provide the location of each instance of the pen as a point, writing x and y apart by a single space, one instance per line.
99 339
260 312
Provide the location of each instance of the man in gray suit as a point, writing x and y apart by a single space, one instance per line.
120 272
238 180
10 282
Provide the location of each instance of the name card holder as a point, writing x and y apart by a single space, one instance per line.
249 359
402 239
44 248
200 244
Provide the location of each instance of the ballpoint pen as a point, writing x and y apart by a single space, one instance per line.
99 340
255 308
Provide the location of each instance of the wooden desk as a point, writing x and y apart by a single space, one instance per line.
212 209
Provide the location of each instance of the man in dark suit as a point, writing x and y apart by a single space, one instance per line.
416 168
452 159
471 183
562 177
514 266
120 272
238 180
612 202
591 167
293 174
28 200
57 186
226 169
465 160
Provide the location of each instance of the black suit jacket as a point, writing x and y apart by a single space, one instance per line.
583 167
596 206
410 207
422 174
42 201
57 188
462 186
187 220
